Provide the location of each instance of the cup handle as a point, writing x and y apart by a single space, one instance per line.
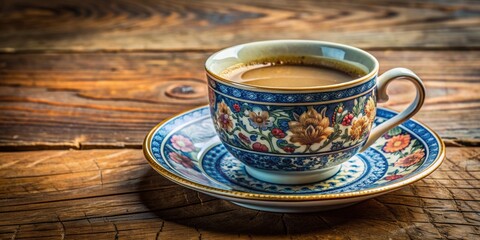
382 96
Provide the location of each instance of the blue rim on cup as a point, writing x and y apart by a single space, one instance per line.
300 135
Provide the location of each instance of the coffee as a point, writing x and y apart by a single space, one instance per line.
292 74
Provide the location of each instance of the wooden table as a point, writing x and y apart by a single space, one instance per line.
82 82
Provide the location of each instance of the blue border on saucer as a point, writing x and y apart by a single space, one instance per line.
426 136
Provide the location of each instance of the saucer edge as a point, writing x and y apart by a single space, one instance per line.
290 198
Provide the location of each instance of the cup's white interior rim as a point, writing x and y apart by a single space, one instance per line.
220 60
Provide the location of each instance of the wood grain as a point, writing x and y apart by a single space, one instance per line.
86 74
111 100
130 25
116 194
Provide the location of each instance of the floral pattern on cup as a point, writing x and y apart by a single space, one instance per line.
310 128
294 130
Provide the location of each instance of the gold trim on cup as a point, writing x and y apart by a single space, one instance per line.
275 197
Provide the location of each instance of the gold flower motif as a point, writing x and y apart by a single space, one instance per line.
370 109
310 128
260 120
359 126
223 116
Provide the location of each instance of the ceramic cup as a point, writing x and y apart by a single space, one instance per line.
300 135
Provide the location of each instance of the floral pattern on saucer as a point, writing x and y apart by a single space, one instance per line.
179 148
188 146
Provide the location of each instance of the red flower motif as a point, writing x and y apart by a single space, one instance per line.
182 143
259 147
236 107
288 149
181 159
397 143
278 133
410 160
393 177
244 138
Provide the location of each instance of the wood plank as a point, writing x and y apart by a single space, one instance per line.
111 100
128 25
125 95
115 194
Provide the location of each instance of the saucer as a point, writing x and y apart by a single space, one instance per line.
186 150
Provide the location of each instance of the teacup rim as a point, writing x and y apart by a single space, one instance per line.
372 73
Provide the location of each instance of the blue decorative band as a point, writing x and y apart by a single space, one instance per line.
292 162
341 149
290 97
357 173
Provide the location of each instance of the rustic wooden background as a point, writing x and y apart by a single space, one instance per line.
82 82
